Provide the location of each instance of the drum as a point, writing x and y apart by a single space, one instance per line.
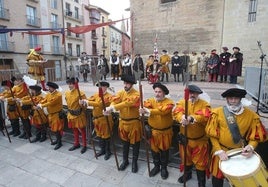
244 172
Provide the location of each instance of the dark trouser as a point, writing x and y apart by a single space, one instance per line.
223 78
162 77
164 155
233 79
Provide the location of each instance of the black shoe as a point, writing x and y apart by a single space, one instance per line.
23 135
36 139
54 142
83 150
181 178
124 165
107 155
100 153
164 173
134 167
16 134
43 138
58 146
74 147
154 171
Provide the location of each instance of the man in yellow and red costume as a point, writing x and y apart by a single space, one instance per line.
127 102
53 104
159 110
164 61
223 137
36 63
38 118
76 114
100 123
196 141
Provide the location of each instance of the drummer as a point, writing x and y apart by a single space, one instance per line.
232 126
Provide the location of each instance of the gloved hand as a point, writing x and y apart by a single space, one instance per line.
248 151
108 110
223 155
144 111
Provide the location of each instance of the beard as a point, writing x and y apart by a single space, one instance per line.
193 99
234 108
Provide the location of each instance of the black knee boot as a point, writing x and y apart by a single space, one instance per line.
156 161
164 162
102 147
16 126
216 182
43 134
37 135
136 148
59 143
125 162
26 129
107 149
188 172
201 177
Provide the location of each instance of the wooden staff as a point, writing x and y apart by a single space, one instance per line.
186 99
138 76
90 126
12 94
108 124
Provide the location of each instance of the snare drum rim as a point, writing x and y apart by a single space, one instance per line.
242 176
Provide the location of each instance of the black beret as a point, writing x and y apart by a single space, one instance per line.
195 89
72 80
162 87
103 83
234 92
114 51
164 50
176 52
83 53
236 48
52 85
225 48
129 79
36 88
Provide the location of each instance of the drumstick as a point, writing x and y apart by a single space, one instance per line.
235 154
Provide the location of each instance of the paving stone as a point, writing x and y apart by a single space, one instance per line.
82 180
57 174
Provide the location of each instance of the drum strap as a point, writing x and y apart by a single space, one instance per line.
233 127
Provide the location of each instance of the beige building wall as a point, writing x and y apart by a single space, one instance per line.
193 25
239 32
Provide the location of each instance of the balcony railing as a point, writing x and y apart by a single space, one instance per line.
6 46
4 14
33 21
55 25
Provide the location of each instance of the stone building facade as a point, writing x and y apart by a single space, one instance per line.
201 25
